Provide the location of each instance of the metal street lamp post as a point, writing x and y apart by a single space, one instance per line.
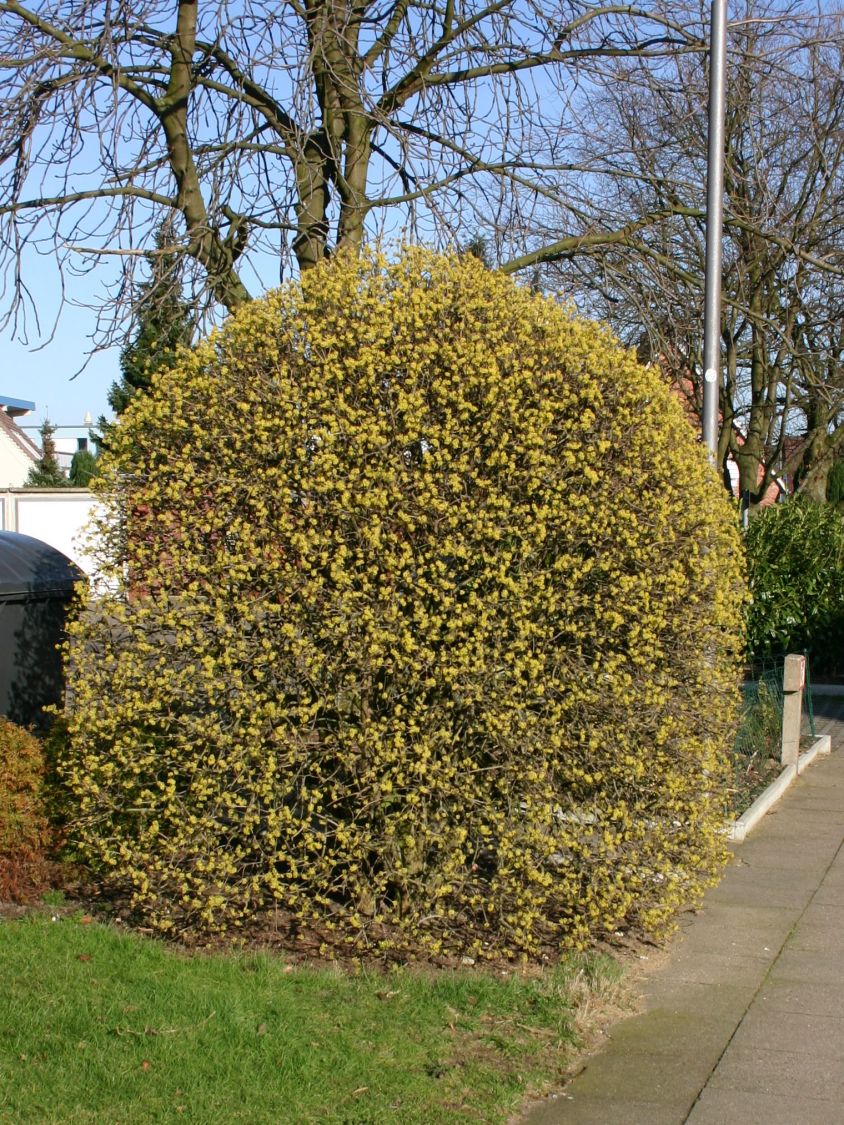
714 225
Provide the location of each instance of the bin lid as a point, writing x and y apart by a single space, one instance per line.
32 569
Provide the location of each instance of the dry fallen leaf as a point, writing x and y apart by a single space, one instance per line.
145 1065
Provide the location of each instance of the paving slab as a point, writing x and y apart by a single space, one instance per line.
743 1021
726 1107
763 1027
792 892
809 966
819 937
826 789
812 842
667 1076
801 997
808 858
835 874
822 914
742 875
682 1027
717 999
779 1073
830 894
715 968
824 800
603 1111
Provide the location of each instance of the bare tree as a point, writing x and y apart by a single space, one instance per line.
782 396
280 129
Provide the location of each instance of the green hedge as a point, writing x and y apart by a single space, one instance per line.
796 567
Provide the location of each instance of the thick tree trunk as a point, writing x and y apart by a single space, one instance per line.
814 483
205 244
335 162
353 187
749 461
313 186
818 458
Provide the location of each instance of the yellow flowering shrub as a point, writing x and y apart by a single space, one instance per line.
423 628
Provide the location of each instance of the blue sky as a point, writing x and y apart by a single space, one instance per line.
45 374
54 375
44 377
57 374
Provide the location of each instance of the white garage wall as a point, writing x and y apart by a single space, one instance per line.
55 516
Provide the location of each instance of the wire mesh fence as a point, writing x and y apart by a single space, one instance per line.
763 690
758 744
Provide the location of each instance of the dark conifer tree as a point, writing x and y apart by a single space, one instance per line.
163 323
47 472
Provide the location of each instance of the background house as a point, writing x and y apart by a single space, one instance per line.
683 388
18 452
67 448
56 516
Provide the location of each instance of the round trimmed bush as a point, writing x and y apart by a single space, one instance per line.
424 629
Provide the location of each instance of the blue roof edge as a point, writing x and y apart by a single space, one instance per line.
16 405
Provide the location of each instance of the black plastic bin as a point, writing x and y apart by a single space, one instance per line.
36 587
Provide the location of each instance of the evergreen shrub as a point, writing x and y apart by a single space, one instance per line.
83 467
835 483
424 593
24 831
796 568
46 472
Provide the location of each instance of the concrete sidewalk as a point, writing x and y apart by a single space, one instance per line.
744 1021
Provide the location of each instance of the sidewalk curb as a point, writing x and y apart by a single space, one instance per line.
738 829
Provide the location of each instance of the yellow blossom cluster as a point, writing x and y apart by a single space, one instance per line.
423 626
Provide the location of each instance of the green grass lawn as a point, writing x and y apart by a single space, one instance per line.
102 1025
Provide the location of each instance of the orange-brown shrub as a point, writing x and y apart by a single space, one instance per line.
24 830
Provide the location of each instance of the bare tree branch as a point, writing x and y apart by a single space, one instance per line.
280 133
782 396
